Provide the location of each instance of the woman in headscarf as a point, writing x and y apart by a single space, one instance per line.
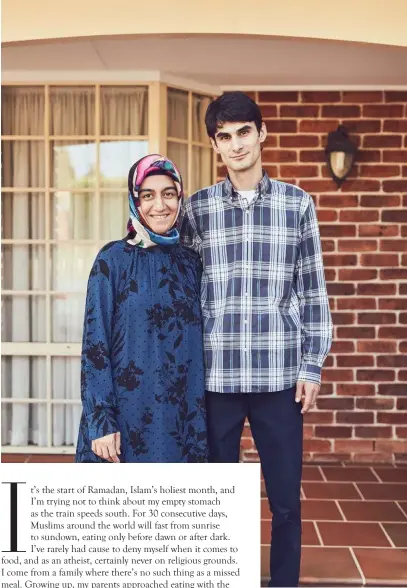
142 382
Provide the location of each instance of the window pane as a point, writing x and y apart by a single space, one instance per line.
72 111
124 111
201 168
116 158
23 164
199 107
23 319
23 215
24 424
73 164
23 377
114 214
177 114
178 153
71 265
66 385
22 110
23 267
73 215
67 313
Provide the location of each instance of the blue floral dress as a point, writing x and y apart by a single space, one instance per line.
142 356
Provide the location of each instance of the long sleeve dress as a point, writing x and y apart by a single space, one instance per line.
142 369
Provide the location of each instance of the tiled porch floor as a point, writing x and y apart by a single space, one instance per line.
354 523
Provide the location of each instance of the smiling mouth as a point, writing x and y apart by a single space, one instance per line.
160 216
240 156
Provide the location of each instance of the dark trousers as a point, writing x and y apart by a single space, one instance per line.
276 424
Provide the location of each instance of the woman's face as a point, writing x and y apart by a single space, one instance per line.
159 203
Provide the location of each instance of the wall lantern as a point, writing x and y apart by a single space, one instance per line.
340 154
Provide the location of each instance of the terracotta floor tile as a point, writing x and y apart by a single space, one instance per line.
309 535
264 509
391 474
330 490
320 510
14 457
354 474
343 534
397 533
329 566
52 459
360 510
311 473
383 566
403 506
383 491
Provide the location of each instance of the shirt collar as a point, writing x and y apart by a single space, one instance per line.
262 188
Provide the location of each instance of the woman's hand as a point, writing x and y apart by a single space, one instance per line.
108 447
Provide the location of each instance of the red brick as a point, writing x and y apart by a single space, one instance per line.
401 432
373 432
401 403
278 97
354 361
328 245
392 332
379 259
339 260
334 375
343 347
376 318
272 170
327 216
392 361
341 290
282 126
319 417
269 111
313 156
333 432
397 156
320 96
393 274
363 126
271 141
299 111
376 290
391 446
395 126
361 186
335 403
337 230
300 141
402 375
356 303
317 445
340 111
391 418
357 245
326 389
393 303
359 445
358 216
330 275
318 126
318 186
359 96
395 96
395 186
403 287
378 231
395 216
343 318
375 403
357 274
356 332
376 346
369 156
393 389
404 176
404 231
355 418
355 389
382 141
393 245
276 156
383 110
375 375
298 171
379 171
341 201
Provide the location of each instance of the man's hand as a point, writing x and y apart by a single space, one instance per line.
108 447
310 391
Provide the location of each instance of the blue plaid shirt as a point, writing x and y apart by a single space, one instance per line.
265 307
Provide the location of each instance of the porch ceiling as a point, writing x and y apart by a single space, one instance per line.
219 60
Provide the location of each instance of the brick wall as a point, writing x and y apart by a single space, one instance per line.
361 413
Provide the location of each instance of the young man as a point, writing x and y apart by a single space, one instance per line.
267 324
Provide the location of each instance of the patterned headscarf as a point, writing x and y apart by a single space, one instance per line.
151 165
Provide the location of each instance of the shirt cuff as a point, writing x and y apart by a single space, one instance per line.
101 422
309 372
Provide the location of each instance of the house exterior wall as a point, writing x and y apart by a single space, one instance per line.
361 413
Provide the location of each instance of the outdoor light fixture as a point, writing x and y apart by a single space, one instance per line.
340 154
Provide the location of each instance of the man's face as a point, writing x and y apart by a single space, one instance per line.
239 144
